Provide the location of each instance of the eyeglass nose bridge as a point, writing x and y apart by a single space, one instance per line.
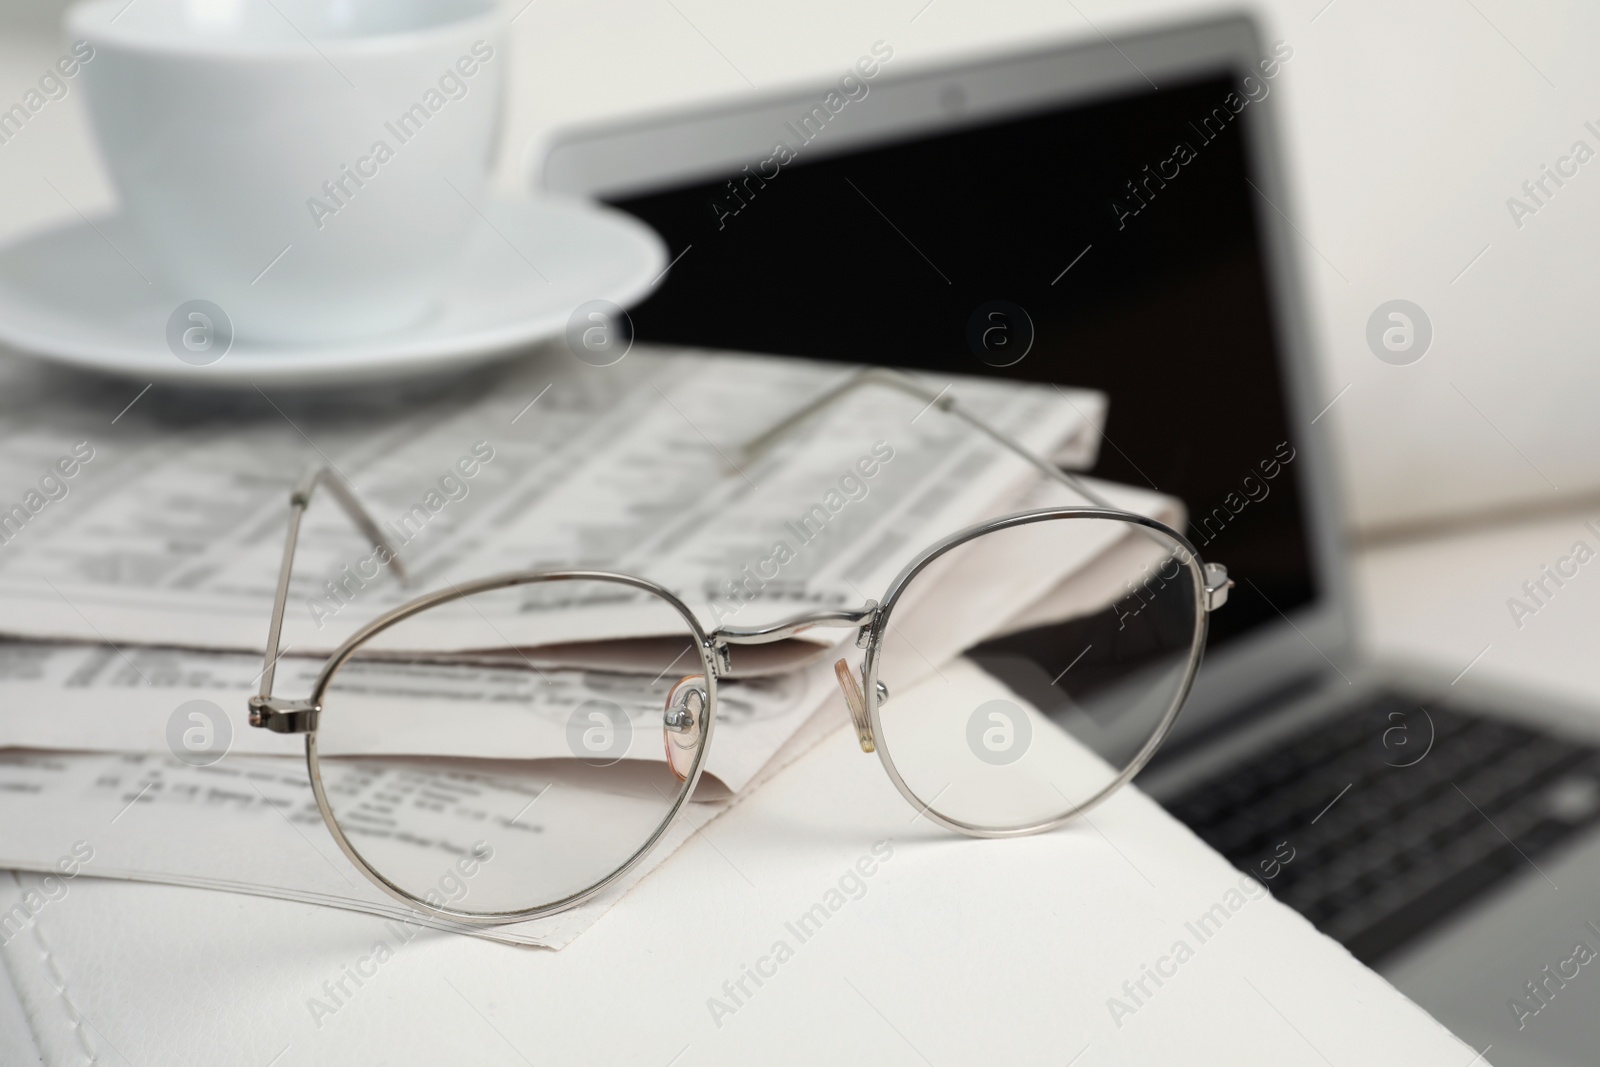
860 619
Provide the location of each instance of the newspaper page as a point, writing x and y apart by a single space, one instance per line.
163 524
135 699
251 825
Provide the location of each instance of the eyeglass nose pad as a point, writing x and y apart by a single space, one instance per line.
683 723
856 703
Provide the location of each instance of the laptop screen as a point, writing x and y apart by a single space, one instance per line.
1116 243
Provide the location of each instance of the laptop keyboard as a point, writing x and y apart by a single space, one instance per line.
1380 821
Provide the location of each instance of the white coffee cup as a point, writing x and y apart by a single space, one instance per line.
310 166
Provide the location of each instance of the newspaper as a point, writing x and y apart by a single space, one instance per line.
139 575
127 699
163 525
94 697
246 823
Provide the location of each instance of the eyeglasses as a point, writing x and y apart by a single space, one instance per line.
566 715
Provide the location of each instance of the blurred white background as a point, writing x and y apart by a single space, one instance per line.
1407 126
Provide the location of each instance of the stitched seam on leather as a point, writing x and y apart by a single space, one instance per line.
15 978
59 982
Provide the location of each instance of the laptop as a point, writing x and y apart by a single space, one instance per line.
1115 215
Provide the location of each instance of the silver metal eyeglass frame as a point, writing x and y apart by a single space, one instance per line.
863 698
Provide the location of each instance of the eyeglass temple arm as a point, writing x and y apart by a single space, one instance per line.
1217 582
299 500
893 379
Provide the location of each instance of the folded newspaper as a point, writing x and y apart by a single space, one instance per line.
170 529
144 580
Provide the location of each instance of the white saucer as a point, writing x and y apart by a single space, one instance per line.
67 295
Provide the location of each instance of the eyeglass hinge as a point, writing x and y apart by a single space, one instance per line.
1217 585
283 716
869 617
722 657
